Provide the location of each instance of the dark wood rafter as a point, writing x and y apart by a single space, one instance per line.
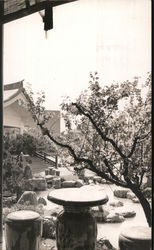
30 9
22 13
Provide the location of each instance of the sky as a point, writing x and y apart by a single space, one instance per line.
112 37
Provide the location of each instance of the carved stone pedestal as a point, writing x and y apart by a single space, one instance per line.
76 230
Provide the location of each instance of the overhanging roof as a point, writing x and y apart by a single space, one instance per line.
11 10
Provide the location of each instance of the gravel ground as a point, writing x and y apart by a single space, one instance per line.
48 244
103 229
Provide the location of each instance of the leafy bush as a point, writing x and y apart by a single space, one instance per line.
22 143
28 144
12 173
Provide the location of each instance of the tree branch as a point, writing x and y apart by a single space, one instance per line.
138 138
133 147
80 160
141 178
109 169
103 136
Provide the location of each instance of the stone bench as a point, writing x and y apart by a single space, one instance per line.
135 238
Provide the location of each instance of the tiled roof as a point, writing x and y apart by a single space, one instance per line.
15 85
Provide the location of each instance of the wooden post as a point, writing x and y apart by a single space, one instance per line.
23 230
1 114
48 18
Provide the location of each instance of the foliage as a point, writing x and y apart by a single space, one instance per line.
42 144
108 130
12 173
13 167
28 143
21 143
113 125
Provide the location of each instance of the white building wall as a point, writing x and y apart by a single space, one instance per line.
17 116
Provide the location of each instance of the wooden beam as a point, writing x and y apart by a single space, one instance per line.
48 17
30 10
22 13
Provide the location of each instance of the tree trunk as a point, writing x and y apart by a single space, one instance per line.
144 203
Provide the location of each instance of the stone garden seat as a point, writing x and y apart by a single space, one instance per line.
23 230
135 238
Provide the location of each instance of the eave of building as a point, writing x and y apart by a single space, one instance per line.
17 96
11 10
14 92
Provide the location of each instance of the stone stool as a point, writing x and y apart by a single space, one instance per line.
46 171
50 170
57 173
23 230
135 238
53 172
56 182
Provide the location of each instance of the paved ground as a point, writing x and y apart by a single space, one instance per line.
48 244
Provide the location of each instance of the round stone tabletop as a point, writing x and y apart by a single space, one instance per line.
137 233
23 215
78 197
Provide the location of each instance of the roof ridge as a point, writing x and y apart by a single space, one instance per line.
16 85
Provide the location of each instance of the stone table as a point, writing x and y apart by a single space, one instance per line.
76 226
